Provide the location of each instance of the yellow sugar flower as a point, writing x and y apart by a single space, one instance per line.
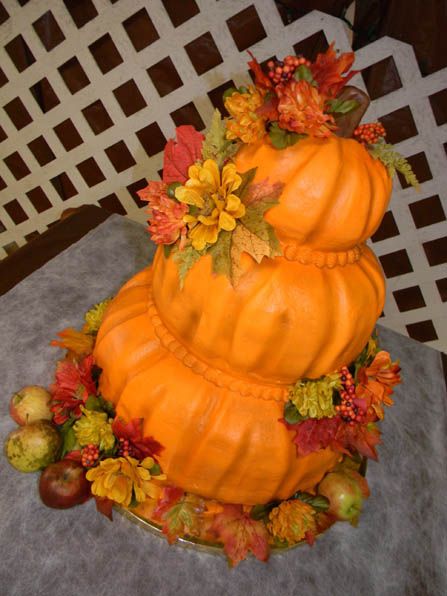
118 478
246 124
291 520
93 318
214 206
314 398
94 428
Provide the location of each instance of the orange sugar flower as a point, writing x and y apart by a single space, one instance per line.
166 223
77 342
376 382
301 110
246 123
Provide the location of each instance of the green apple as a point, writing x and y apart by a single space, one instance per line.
33 447
346 490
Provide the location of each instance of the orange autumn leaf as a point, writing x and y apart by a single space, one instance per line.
74 341
240 534
328 71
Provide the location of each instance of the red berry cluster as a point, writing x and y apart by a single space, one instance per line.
125 449
281 71
369 133
89 455
348 411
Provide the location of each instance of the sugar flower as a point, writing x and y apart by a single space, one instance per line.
121 478
93 318
214 206
246 124
301 110
94 428
73 384
166 223
292 521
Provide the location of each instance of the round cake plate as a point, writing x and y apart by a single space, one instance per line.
194 543
202 545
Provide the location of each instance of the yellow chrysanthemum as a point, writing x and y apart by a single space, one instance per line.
214 205
94 428
118 478
246 124
93 318
291 520
313 399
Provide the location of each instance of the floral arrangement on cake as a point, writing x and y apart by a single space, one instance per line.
204 206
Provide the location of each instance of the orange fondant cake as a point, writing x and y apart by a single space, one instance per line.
209 365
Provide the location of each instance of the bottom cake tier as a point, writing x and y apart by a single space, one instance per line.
221 436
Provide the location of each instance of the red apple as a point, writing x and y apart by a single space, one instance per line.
30 404
346 491
63 485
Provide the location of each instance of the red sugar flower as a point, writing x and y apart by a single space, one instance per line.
73 384
130 436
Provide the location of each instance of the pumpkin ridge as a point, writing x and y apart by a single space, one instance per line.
237 384
326 210
367 221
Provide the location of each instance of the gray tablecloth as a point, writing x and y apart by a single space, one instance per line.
398 549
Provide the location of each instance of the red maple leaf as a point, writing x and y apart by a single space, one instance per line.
358 437
139 446
181 153
73 384
327 70
313 434
170 496
240 534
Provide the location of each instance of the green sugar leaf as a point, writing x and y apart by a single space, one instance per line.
281 138
185 259
216 146
340 106
303 73
220 253
393 161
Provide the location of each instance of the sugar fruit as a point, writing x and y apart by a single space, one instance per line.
33 447
30 404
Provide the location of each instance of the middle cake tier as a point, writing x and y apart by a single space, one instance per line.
282 322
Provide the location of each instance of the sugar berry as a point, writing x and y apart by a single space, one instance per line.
370 133
89 455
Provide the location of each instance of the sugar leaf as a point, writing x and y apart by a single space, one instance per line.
393 161
240 534
281 138
185 259
340 106
181 153
220 253
181 519
247 179
303 73
216 146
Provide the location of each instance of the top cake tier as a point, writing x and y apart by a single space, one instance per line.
335 194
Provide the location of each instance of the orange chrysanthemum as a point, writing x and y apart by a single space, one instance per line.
246 124
166 223
292 521
301 110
